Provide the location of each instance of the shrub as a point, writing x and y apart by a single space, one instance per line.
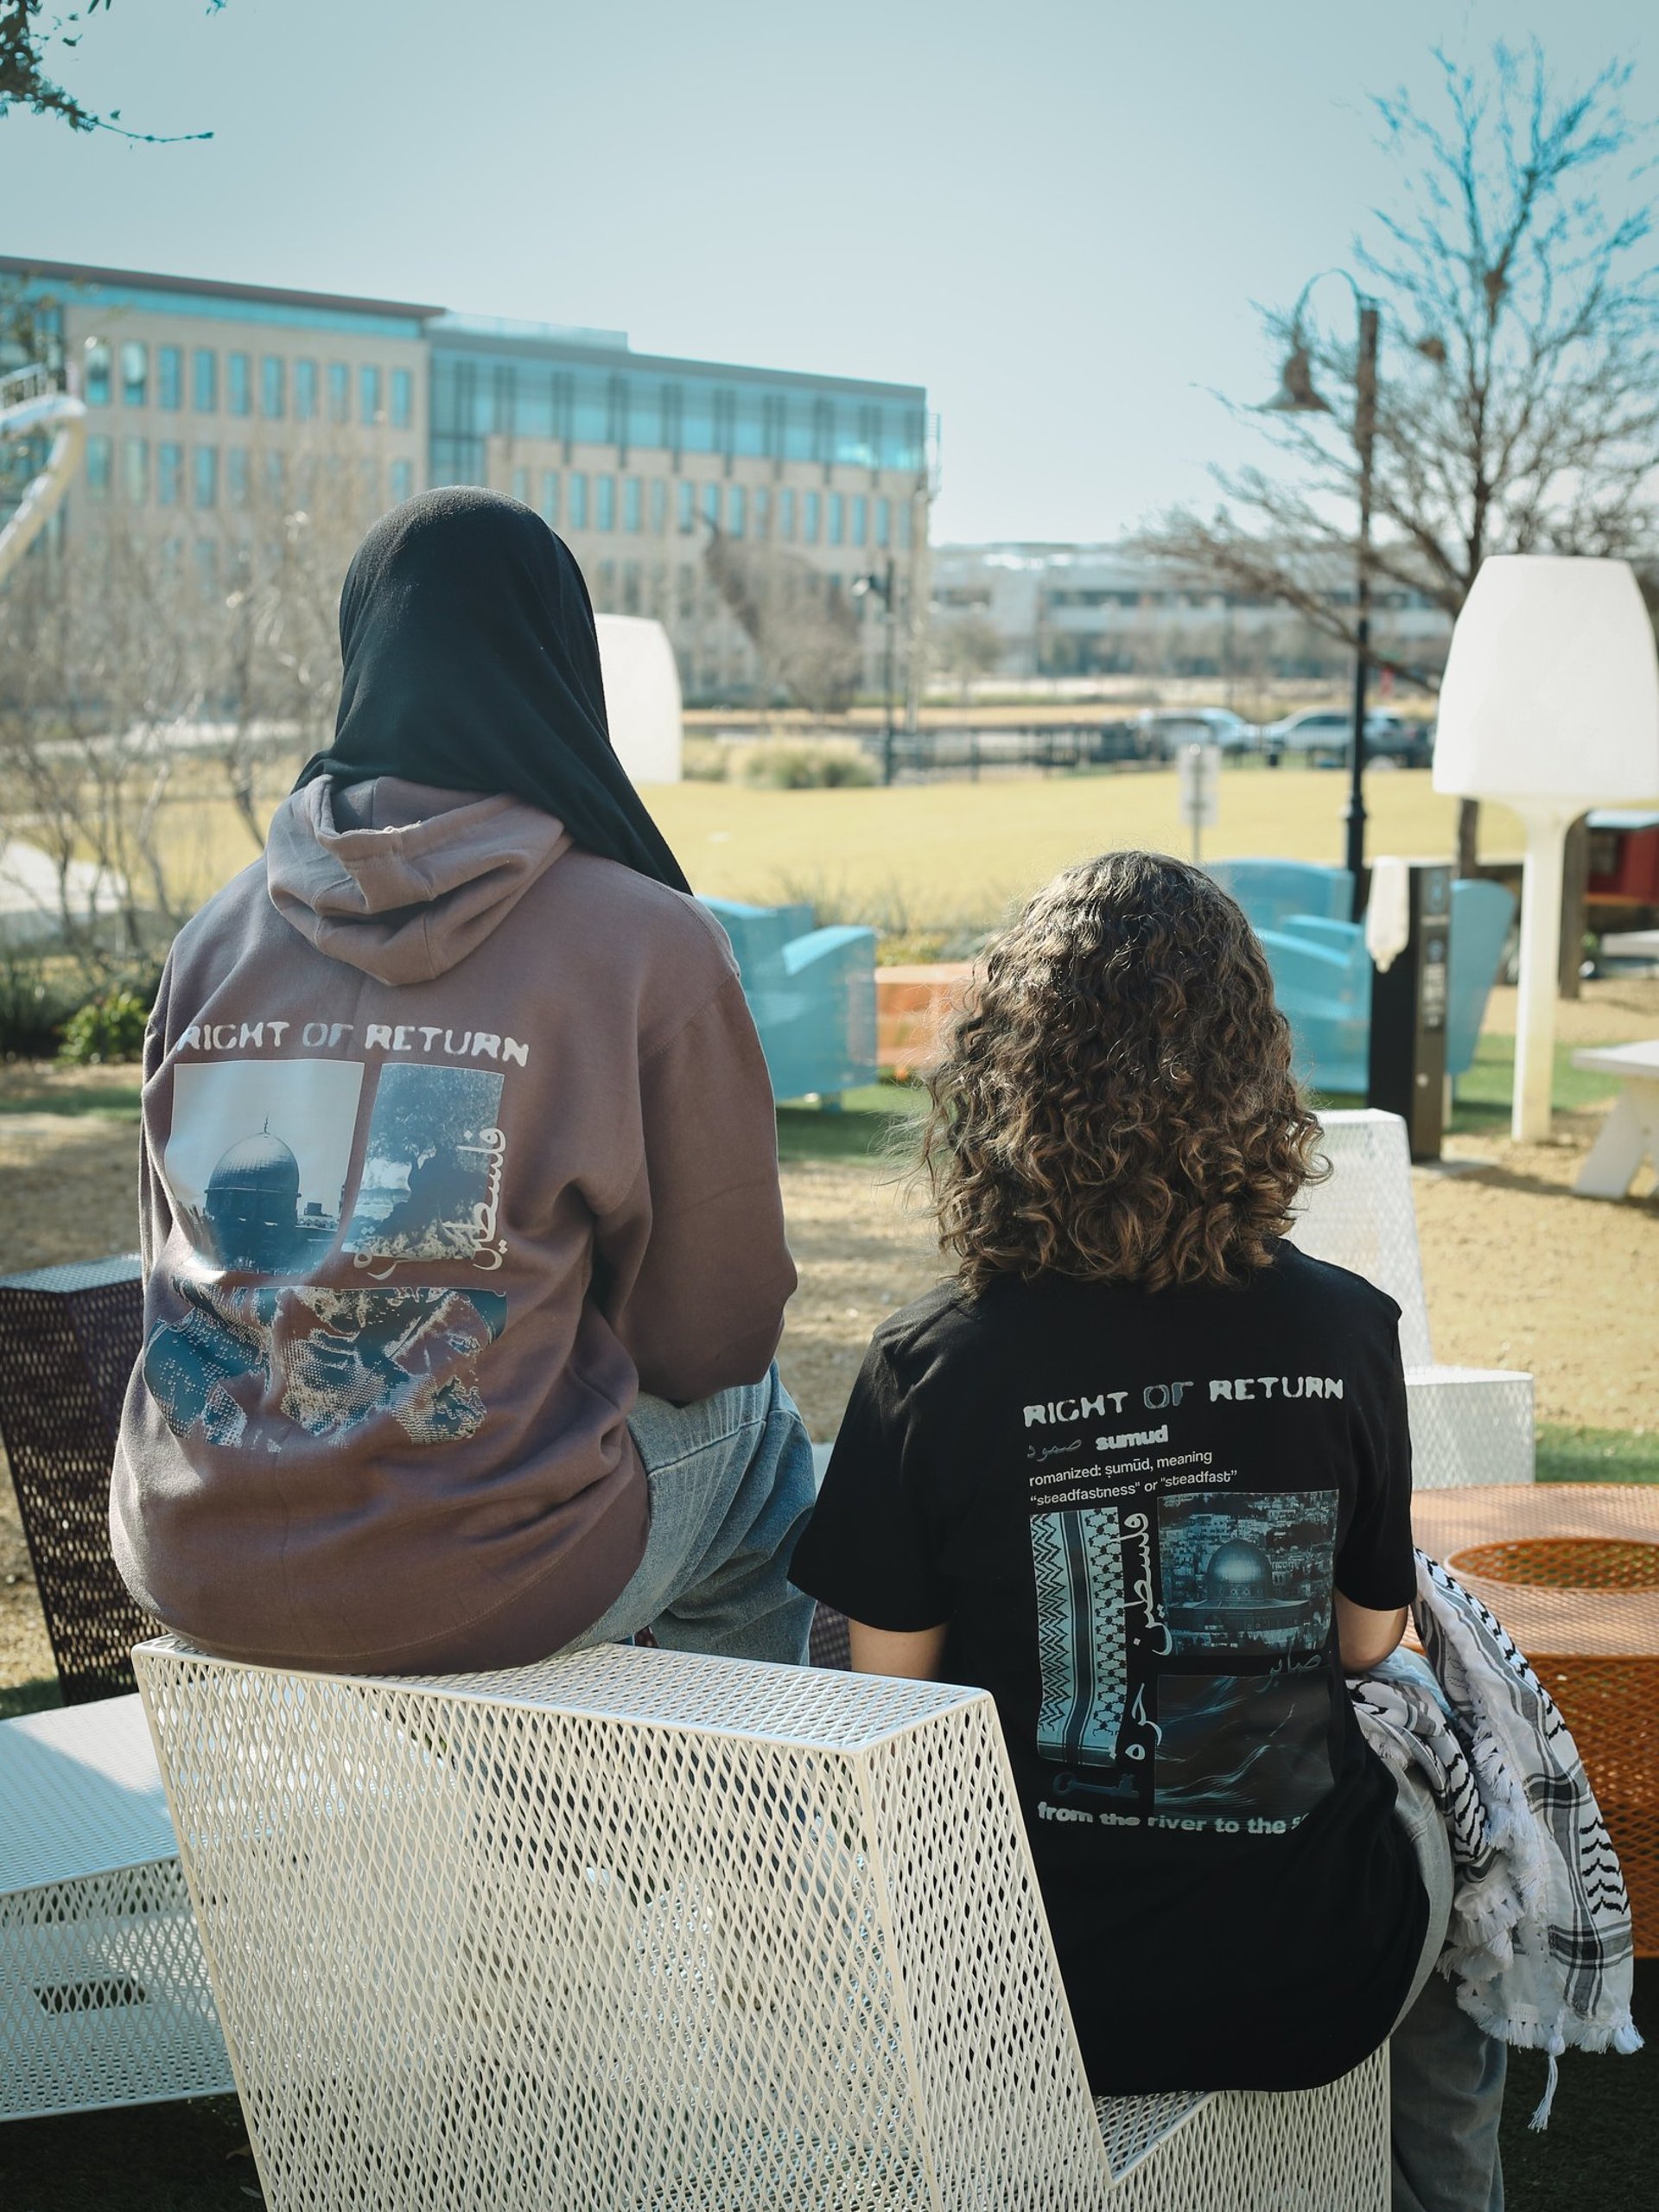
33 1007
110 1027
703 760
835 762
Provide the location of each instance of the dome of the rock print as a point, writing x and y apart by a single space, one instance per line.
1238 1572
261 1163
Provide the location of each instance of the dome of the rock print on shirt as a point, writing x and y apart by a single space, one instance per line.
261 1163
1239 1572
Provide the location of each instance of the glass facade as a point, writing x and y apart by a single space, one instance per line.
169 377
686 508
206 476
521 485
339 392
578 499
860 519
370 406
837 519
135 471
402 482
605 503
134 374
884 522
656 406
711 506
99 464
238 484
814 505
273 387
737 517
95 378
204 371
402 398
633 511
276 482
169 473
550 498
238 384
305 391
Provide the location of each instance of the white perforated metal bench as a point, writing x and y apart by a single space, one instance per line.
1468 1424
103 1992
636 1929
1630 1133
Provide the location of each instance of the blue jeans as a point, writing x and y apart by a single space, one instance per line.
731 1486
1446 2073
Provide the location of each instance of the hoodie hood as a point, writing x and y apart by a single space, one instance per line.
400 881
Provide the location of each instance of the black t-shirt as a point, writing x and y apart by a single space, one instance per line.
1132 1509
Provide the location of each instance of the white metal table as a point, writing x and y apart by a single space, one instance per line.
1630 1133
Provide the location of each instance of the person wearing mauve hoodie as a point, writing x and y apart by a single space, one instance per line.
463 1245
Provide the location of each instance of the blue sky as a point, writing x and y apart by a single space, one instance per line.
1055 215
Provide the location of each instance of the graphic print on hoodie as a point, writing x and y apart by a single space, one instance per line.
456 1136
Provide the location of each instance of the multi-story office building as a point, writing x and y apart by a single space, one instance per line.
1107 610
211 405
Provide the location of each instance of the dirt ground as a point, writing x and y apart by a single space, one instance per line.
1519 1272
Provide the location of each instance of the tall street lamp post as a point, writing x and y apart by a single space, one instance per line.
1298 395
879 583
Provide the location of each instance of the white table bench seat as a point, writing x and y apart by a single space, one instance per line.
1630 1133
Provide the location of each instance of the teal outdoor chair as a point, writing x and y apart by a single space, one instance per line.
812 993
1481 916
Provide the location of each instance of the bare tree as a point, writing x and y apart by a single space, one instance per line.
27 31
1519 408
805 635
966 649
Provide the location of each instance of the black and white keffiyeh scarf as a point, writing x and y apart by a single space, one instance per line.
1539 1945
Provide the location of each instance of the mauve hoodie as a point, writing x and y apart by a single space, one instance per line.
455 1138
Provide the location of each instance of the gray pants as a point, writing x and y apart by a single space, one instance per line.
1447 2074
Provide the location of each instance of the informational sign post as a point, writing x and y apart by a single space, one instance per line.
1199 770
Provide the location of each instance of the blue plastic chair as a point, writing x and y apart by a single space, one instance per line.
1322 980
812 993
1271 891
1482 915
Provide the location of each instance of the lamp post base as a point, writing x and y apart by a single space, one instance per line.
1540 957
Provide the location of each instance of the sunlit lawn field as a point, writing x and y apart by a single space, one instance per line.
926 855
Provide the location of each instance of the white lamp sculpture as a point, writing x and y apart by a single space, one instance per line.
642 698
1551 705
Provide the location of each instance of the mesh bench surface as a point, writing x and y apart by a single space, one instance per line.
69 1339
640 1929
103 1992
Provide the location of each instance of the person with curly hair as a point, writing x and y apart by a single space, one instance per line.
1142 1469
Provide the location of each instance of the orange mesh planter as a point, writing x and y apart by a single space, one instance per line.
912 1007
1572 1570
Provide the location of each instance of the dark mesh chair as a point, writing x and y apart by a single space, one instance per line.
69 1339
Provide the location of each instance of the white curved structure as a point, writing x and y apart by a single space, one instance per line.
642 696
29 403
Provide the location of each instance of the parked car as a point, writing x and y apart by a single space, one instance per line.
1167 730
1322 732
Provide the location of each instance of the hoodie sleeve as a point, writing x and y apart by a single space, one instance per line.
155 1212
699 1270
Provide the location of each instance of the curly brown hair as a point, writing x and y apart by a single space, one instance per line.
1114 1101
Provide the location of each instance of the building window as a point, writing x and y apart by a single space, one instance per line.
578 499
368 483
402 482
368 393
134 374
607 585
169 474
737 517
205 376
206 476
786 517
837 519
762 510
634 517
339 392
711 506
238 384
135 470
685 505
860 520
884 522
305 390
98 464
273 387
207 563
686 595
550 498
605 503
98 373
276 483
630 586
659 506
814 509
169 377
521 486
237 482
402 399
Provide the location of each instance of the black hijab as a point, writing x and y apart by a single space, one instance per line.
471 663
